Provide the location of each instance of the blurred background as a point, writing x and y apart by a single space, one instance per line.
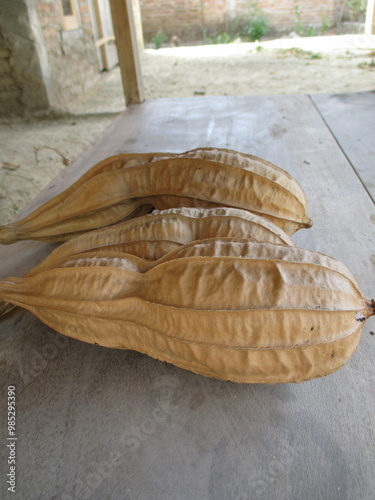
60 79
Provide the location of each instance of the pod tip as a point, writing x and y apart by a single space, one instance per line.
5 307
308 222
370 308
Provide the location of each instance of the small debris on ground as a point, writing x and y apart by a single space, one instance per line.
9 166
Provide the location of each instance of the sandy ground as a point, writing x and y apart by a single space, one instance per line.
332 64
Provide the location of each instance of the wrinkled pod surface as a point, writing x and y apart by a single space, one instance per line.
242 311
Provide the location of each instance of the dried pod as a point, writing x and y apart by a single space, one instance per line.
114 191
152 236
273 314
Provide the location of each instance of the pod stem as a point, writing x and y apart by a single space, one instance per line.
8 235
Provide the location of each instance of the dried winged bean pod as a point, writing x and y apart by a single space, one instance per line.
111 216
114 215
152 236
253 163
116 162
112 193
212 247
173 227
279 314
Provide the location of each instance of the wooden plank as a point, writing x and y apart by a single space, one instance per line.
370 18
102 41
138 24
105 30
95 32
100 423
127 48
351 119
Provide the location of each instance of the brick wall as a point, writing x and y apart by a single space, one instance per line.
184 17
180 17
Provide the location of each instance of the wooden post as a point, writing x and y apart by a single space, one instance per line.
138 24
127 48
370 18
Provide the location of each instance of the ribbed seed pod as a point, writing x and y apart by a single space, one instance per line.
212 247
113 215
115 191
274 314
152 236
252 163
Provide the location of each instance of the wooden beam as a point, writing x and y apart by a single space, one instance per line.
103 41
370 18
127 48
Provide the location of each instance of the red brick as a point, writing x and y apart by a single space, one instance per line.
86 19
83 8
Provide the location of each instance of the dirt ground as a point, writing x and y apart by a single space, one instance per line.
331 64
